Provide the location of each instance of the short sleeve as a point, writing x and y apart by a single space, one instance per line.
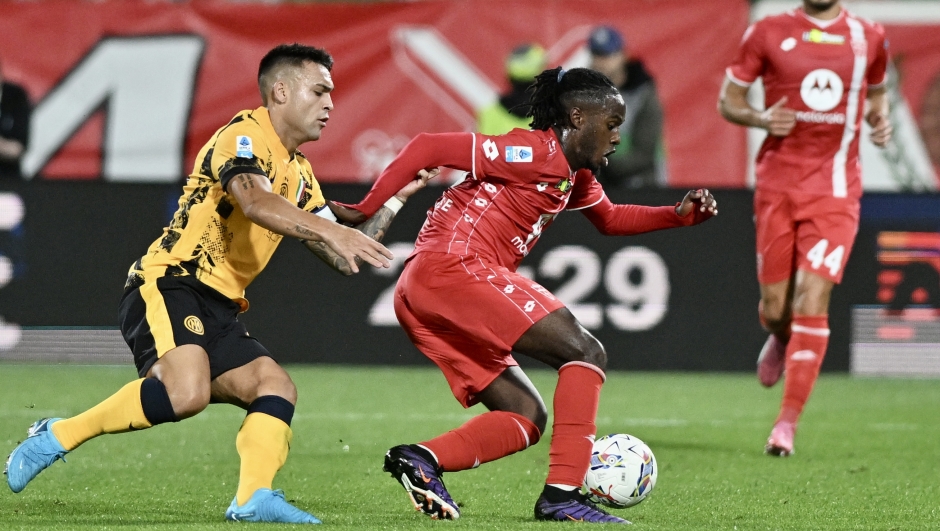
586 193
237 151
519 156
750 60
324 212
310 197
877 72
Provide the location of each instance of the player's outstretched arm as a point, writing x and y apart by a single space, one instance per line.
273 212
877 117
425 151
375 227
733 106
625 220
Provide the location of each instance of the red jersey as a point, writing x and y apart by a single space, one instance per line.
516 185
825 69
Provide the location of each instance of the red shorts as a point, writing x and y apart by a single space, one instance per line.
808 232
465 315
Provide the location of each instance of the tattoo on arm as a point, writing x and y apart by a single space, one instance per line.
374 227
323 252
304 230
246 181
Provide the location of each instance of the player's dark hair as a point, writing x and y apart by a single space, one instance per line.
294 55
556 90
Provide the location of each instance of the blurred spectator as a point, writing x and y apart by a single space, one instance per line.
14 127
522 65
637 162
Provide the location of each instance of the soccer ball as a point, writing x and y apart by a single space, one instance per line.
622 472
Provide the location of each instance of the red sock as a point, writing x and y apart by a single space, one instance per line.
482 439
805 353
576 397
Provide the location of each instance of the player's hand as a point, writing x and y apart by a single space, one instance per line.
354 246
700 203
777 119
420 182
881 128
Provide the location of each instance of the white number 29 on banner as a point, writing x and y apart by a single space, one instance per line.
636 282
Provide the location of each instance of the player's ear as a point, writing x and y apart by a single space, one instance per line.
279 91
576 117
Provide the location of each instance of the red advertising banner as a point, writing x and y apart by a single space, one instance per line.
129 91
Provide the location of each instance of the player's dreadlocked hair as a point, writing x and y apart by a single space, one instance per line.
555 90
294 55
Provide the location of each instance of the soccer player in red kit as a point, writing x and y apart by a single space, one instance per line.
822 67
462 303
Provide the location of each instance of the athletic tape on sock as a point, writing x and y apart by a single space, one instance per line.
155 402
274 406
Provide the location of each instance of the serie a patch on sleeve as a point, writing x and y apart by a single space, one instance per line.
243 147
518 154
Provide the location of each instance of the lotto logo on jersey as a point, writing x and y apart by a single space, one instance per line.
243 147
518 154
821 90
821 37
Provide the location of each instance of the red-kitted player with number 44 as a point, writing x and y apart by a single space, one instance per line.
463 304
820 65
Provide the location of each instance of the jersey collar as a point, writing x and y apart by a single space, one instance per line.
264 120
823 24
551 131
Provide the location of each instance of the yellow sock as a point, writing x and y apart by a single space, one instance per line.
262 443
118 413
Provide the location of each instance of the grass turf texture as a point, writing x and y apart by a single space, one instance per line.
867 455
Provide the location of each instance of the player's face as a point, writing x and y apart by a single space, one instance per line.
310 102
600 135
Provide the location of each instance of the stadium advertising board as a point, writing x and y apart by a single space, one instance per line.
678 299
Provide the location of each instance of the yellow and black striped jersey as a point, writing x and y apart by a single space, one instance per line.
209 236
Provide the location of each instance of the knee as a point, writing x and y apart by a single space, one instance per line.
540 420
582 347
189 400
593 352
811 299
277 383
774 313
288 391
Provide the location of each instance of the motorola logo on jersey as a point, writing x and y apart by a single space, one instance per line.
821 90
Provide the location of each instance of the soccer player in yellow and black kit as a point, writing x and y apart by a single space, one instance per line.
249 188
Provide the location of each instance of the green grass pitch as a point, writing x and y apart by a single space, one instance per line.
867 454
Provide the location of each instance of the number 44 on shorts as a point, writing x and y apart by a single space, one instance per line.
817 256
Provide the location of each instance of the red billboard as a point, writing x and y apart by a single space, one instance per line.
131 90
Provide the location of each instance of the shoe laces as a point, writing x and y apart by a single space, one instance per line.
40 454
580 508
584 500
